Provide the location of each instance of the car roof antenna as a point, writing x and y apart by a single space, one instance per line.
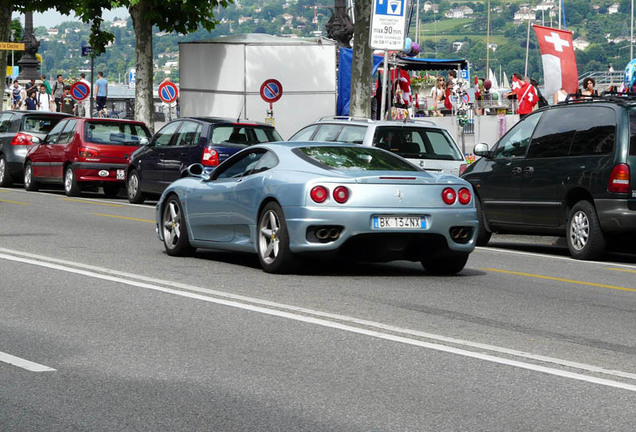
238 117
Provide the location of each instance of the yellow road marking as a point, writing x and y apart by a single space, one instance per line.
560 279
123 217
621 270
92 202
5 191
15 202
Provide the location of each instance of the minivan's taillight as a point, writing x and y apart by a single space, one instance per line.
210 157
22 139
619 179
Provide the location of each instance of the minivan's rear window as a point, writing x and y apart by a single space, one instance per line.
632 132
417 142
114 133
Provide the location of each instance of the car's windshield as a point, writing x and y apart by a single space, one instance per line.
417 142
114 133
354 158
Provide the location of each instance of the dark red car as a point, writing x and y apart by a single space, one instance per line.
81 153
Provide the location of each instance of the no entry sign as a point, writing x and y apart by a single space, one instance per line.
168 92
271 90
80 91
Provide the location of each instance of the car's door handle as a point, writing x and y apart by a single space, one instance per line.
528 171
516 171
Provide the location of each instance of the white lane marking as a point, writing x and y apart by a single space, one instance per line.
294 315
563 258
24 364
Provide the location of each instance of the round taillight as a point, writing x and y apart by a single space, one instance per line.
449 196
464 196
319 194
341 194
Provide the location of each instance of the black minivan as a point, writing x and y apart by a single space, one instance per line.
185 141
565 170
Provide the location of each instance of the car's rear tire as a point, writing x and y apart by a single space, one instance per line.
133 188
273 240
29 181
483 235
5 176
174 229
445 265
111 190
71 187
584 235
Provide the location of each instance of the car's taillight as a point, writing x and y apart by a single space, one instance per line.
319 194
449 196
341 194
619 179
210 157
462 168
87 152
22 139
464 196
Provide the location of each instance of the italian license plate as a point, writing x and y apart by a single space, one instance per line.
399 222
120 174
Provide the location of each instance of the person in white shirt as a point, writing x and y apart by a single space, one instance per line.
85 105
44 99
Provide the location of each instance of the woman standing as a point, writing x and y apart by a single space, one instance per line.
588 87
437 95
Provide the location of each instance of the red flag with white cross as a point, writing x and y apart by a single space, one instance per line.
559 62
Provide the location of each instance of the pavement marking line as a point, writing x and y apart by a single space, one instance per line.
14 202
123 217
621 270
292 313
24 364
92 202
536 276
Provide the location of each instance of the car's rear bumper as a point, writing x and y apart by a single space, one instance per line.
616 215
99 172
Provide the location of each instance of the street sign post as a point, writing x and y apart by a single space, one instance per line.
168 92
271 91
80 91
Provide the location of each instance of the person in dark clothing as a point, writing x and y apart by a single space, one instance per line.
31 102
69 106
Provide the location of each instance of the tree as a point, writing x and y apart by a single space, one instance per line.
362 64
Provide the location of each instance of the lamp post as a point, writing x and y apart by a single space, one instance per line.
12 62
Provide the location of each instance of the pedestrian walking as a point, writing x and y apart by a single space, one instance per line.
84 107
31 102
101 92
16 95
46 83
58 92
44 99
69 106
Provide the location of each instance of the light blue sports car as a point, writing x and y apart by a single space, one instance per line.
292 199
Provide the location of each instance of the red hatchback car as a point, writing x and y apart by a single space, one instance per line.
81 152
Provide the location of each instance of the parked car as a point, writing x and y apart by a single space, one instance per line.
183 142
84 152
19 130
566 170
422 143
281 200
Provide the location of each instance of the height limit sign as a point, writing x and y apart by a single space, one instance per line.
388 25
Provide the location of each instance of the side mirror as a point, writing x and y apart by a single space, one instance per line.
197 170
481 150
144 142
35 140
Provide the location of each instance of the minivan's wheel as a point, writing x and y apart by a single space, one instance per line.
483 235
111 189
584 236
71 188
5 177
29 181
174 229
273 240
133 190
446 264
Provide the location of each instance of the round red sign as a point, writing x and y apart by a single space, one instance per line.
271 90
168 92
80 91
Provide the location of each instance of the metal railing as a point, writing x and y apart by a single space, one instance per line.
603 79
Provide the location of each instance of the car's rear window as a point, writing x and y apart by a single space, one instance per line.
354 158
114 133
417 142
244 134
39 124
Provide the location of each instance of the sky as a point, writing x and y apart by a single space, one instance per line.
52 18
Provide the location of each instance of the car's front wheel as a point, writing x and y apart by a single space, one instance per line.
29 181
133 189
5 177
445 265
71 187
273 240
584 236
174 229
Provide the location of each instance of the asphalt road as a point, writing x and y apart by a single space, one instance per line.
100 330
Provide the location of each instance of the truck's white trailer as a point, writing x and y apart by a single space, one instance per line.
223 77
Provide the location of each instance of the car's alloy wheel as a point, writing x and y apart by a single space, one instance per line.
133 191
273 240
174 229
29 182
584 236
70 183
5 177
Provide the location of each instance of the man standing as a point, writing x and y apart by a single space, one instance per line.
85 105
45 81
58 93
68 103
30 87
16 95
101 92
525 93
44 99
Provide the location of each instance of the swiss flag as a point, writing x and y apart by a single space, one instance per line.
559 62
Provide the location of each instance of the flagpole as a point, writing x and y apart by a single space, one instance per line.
525 72
488 40
631 38
560 5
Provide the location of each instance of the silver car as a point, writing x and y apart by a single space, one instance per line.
422 143
284 200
